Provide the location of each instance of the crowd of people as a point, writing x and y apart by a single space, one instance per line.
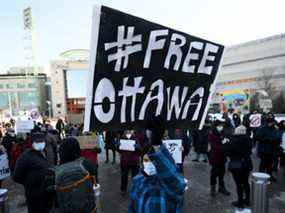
58 175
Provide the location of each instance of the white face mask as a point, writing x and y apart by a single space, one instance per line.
148 133
128 136
39 146
220 128
149 168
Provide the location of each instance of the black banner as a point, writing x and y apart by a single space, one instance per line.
139 68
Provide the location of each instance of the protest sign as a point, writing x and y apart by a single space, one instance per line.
87 141
4 166
127 145
139 69
175 148
255 120
34 114
24 126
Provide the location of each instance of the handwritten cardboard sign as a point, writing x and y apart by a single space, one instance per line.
175 148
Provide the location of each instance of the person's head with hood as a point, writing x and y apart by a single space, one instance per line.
270 122
270 115
155 129
236 116
129 134
39 141
69 150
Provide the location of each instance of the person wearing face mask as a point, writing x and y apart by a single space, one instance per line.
129 160
159 187
240 165
31 170
217 158
8 141
268 138
236 120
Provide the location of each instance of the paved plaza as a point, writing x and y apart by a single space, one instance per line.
197 198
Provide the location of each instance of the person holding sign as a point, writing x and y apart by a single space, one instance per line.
8 140
268 138
159 187
217 158
130 150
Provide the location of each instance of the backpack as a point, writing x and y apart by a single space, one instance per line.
74 188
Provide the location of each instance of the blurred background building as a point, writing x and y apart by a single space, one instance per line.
253 76
20 92
69 81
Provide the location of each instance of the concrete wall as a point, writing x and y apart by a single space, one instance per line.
58 87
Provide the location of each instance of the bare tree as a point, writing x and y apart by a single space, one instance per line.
265 82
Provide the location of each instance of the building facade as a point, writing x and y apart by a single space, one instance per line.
20 92
68 84
256 67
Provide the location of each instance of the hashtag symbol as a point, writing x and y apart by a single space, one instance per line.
125 47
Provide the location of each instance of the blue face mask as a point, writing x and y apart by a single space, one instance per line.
149 168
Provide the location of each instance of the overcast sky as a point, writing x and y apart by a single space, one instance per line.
61 25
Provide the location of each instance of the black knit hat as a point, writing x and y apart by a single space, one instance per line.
69 150
38 137
157 126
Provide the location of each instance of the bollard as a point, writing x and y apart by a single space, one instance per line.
4 201
259 196
97 194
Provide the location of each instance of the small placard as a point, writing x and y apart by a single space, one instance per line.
4 167
24 126
127 145
87 141
175 148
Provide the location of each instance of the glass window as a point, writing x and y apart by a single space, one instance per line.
4 100
11 86
32 85
27 99
1 86
21 85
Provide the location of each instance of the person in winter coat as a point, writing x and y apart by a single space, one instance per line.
236 120
202 144
8 140
110 144
186 146
282 133
23 143
51 147
240 165
268 138
217 158
78 196
60 127
228 127
159 187
30 171
130 161
91 154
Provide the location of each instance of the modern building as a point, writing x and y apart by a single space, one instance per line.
25 70
20 92
255 67
68 83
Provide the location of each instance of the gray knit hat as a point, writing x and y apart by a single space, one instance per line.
240 130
